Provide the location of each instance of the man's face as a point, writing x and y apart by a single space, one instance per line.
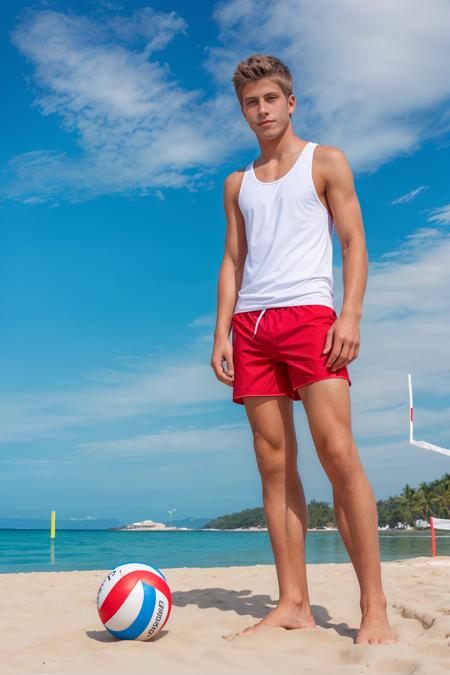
266 108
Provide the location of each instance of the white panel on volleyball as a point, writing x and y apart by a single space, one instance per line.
159 597
131 606
114 578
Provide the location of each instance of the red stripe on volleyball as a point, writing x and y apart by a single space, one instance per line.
119 593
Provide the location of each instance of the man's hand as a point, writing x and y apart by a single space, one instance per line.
343 339
223 352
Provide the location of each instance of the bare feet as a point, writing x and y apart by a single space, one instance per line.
281 616
375 627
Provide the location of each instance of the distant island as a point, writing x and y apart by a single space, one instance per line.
411 509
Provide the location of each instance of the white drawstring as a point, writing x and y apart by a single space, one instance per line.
259 319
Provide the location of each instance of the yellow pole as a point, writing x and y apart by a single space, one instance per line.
52 525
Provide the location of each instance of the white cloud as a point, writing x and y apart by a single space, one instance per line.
204 320
34 200
366 75
409 196
186 441
137 127
84 518
172 390
406 329
361 80
440 215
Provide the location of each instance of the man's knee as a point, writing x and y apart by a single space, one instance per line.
270 455
339 457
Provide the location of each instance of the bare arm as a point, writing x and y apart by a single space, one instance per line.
230 275
337 177
230 278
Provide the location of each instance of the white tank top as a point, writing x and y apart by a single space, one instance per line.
289 240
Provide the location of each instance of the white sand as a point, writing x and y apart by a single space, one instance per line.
49 624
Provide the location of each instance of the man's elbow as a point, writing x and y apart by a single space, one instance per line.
355 243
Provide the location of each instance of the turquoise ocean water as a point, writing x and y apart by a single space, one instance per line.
32 551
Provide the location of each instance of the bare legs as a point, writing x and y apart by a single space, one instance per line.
271 419
327 406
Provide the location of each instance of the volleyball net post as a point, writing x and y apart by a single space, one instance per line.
437 524
420 444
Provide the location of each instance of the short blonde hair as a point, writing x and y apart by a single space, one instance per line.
258 66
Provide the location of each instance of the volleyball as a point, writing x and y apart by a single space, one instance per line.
134 601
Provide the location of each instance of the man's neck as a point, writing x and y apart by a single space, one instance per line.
279 148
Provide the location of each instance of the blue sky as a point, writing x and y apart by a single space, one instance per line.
120 124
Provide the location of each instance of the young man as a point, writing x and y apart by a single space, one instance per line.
289 344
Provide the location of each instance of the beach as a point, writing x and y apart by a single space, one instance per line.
50 624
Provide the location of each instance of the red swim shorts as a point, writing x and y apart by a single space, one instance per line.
278 349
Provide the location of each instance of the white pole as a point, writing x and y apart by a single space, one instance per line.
411 409
420 444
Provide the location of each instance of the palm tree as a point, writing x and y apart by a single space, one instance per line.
427 499
442 499
408 504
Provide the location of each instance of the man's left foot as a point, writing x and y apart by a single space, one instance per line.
375 628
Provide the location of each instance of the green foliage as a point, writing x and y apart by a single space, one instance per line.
247 518
413 503
320 514
429 499
390 512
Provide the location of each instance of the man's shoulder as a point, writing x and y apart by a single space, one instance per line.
235 175
330 155
331 163
234 179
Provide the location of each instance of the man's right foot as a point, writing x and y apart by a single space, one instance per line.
279 617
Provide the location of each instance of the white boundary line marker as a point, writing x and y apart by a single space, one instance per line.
420 444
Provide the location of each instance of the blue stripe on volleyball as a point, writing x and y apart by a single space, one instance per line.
161 573
142 619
